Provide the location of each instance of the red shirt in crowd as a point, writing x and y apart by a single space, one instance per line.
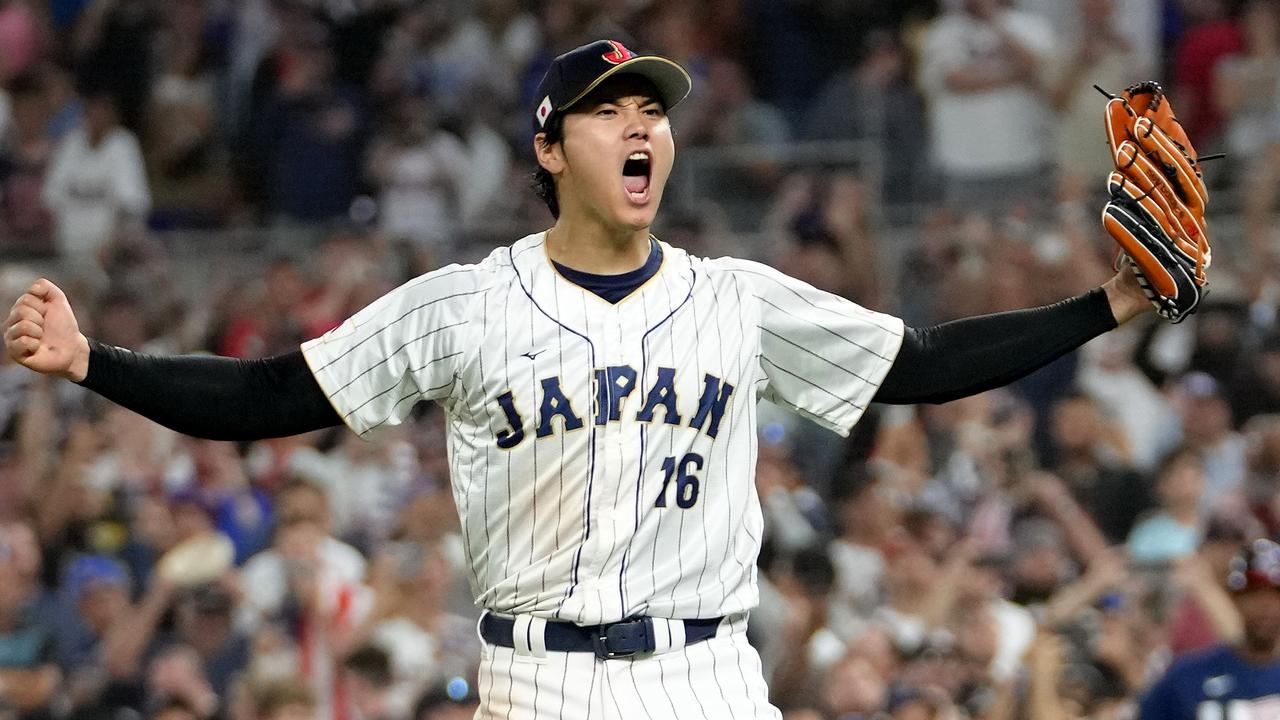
1196 60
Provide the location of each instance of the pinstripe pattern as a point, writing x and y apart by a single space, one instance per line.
568 525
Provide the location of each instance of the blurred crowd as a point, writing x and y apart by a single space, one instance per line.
1046 551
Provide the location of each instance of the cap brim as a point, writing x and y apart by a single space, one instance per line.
672 81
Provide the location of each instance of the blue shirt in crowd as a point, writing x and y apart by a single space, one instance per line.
1215 683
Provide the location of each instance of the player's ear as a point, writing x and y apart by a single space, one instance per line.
550 154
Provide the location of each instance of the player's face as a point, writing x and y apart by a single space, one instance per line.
616 154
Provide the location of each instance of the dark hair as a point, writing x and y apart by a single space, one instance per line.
27 84
371 663
543 183
174 703
813 568
1178 455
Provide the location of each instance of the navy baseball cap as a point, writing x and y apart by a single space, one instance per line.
578 72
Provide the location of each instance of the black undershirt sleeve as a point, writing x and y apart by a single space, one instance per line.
229 399
946 362
212 397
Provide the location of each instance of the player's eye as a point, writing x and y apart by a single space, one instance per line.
654 111
606 112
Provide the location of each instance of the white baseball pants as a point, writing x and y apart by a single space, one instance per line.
718 678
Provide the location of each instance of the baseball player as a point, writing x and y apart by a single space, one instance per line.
600 389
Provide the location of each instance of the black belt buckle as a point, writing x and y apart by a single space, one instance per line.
623 639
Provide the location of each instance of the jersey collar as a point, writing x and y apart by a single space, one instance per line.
546 287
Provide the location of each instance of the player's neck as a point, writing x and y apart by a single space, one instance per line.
593 248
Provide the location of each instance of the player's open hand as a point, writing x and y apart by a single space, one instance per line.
42 334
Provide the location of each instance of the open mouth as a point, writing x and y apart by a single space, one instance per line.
635 176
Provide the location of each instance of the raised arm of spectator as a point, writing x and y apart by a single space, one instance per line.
1194 576
948 64
125 642
942 601
1105 573
791 674
29 690
1086 541
59 498
35 438
1044 668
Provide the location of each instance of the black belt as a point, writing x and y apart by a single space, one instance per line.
614 640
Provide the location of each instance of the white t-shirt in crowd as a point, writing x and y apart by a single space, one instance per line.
265 577
994 132
89 187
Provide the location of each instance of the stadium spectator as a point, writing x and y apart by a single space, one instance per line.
1099 53
728 114
366 482
20 38
1208 429
1247 93
310 585
419 170
426 643
96 187
96 596
221 489
1241 678
304 308
284 700
1144 416
981 67
112 46
1091 458
175 676
173 708
1174 530
731 114
368 674
29 675
1211 35
302 549
866 517
202 624
186 160
1256 390
808 645
514 33
875 100
24 157
443 54
1204 615
827 222
310 133
1248 83
854 688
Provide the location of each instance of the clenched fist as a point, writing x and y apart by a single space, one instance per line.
41 333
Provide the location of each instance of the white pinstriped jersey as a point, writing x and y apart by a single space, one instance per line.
603 455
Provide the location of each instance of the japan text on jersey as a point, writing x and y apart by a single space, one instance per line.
603 455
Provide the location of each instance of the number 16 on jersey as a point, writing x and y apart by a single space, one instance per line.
687 485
